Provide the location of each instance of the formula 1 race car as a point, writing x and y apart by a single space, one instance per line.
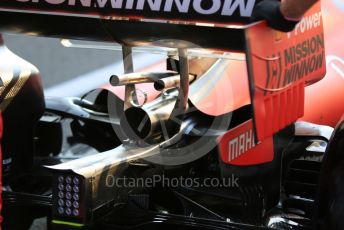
237 127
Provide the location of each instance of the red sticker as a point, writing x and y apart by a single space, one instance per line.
237 147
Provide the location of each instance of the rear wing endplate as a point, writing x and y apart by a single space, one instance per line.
280 65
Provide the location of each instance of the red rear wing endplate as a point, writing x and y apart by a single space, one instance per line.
280 65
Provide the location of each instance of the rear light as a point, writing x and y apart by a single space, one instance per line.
76 204
61 179
81 193
68 188
68 180
67 198
76 196
68 211
61 210
76 189
76 212
61 187
60 203
61 194
68 203
76 180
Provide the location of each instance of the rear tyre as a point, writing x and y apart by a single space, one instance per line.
329 211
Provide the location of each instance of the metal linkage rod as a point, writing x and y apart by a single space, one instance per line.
128 62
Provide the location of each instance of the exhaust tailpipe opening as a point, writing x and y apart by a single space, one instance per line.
150 121
136 123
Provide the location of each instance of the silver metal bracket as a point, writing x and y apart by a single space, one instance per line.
130 94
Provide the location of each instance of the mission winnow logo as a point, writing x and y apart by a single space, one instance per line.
242 8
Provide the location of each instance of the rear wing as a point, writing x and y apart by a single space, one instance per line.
184 23
279 65
208 11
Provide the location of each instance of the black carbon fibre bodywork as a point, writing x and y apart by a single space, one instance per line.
220 11
131 33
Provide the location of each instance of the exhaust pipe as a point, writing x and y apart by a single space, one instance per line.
162 117
137 78
170 82
152 120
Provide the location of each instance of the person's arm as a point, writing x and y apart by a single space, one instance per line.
282 15
295 9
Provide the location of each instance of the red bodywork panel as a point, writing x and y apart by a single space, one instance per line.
323 101
237 147
280 66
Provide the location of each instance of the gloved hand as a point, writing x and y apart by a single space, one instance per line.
269 10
